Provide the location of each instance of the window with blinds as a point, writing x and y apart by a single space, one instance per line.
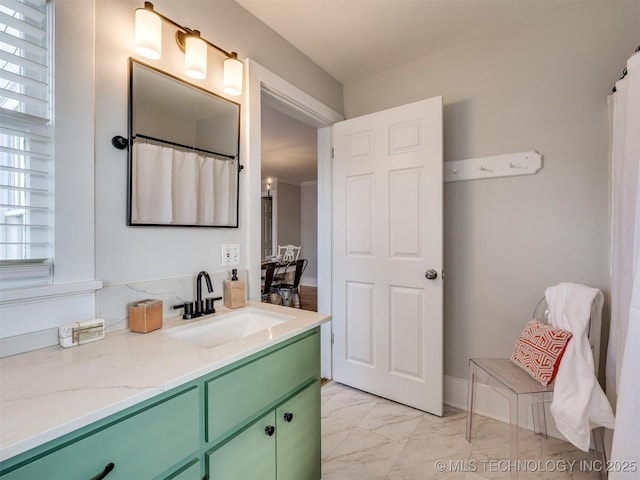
26 162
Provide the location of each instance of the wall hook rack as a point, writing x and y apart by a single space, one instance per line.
509 165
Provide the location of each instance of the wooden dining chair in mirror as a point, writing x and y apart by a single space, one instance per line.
290 253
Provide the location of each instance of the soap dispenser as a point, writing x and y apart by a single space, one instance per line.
234 293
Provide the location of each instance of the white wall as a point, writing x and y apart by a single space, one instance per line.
94 39
125 254
288 218
540 85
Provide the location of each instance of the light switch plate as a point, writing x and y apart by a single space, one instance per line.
230 254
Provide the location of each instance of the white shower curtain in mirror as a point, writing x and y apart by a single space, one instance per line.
216 180
221 204
206 191
151 179
172 186
623 356
184 187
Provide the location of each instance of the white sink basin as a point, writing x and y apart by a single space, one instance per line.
228 327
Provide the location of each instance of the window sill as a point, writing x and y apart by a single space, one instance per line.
55 290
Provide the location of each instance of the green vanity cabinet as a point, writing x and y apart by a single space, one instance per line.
140 445
212 427
283 444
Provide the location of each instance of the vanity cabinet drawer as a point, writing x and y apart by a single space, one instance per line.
236 396
140 445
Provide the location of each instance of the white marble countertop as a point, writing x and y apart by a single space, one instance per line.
50 392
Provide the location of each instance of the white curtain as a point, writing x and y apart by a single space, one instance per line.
221 171
206 193
184 187
151 179
623 356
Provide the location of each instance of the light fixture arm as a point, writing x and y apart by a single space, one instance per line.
182 32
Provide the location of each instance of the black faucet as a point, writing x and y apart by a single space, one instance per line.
199 307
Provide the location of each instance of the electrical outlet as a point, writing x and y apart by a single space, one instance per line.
230 254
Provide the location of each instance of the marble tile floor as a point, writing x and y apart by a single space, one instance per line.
368 437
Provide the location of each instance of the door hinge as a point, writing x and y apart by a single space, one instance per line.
331 338
332 153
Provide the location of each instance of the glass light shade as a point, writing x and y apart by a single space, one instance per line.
233 76
195 57
148 35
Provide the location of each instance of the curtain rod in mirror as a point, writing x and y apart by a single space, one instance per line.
122 143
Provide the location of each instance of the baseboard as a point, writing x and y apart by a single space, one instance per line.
309 282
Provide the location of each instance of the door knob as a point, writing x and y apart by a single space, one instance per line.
431 274
269 430
288 417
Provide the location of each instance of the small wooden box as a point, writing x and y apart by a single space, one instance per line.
234 294
145 316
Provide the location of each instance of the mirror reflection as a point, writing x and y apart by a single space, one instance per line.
183 161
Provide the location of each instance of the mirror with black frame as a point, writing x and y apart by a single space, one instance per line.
184 152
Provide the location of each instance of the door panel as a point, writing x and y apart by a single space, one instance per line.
360 328
405 235
360 205
267 230
406 331
387 211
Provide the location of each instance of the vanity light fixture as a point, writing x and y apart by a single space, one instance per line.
195 56
148 39
148 36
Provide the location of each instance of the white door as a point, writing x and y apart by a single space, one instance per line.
387 233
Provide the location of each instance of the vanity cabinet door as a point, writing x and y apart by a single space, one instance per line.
284 444
240 394
144 444
298 426
250 455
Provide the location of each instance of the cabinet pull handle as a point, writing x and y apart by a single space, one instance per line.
107 470
288 417
270 430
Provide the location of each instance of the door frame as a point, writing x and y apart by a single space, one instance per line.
301 106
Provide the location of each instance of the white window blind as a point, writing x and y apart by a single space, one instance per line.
26 163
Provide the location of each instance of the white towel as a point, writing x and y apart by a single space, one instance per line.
184 188
151 182
578 403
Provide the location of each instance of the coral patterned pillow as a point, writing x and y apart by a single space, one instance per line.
539 350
